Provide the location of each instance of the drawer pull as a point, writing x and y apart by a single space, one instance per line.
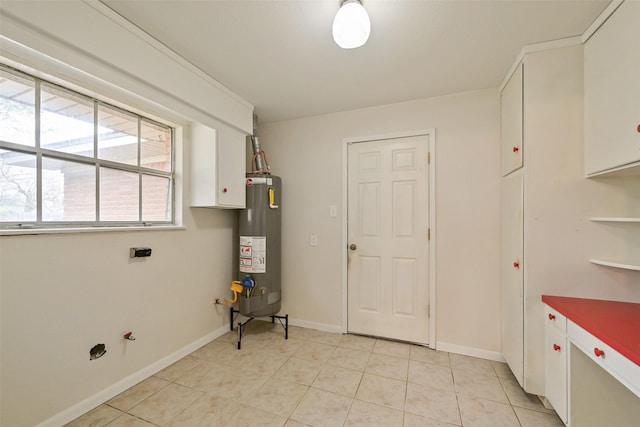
516 264
552 316
598 352
556 347
516 149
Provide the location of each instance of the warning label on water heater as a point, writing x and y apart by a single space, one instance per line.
253 254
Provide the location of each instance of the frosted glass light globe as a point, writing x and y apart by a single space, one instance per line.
351 26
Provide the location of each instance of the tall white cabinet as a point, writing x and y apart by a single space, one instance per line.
511 142
542 118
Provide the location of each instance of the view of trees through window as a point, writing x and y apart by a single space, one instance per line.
70 159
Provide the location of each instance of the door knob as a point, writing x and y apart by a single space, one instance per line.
353 247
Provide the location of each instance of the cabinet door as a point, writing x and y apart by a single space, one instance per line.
217 167
204 152
612 91
232 147
512 274
511 137
555 358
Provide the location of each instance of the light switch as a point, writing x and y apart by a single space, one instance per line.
313 240
333 211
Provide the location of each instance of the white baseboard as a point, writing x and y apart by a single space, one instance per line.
99 398
313 325
470 351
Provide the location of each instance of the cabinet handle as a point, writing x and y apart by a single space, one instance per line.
638 128
516 149
556 347
516 264
598 352
552 316
224 190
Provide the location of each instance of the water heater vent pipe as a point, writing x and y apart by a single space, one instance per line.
259 162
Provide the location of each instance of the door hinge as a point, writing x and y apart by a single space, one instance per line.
428 234
429 157
428 310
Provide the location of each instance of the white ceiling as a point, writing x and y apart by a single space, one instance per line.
280 57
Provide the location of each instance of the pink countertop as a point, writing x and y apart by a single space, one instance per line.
617 324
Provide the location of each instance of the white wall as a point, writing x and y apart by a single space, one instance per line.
308 152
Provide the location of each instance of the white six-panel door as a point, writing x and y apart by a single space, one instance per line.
388 220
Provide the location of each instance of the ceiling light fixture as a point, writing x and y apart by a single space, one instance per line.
351 26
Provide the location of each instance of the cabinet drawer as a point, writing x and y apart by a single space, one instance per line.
621 368
554 319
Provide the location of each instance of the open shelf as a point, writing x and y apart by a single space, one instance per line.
615 264
614 219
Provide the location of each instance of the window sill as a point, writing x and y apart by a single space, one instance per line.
63 230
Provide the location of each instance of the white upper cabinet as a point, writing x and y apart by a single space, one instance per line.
218 163
511 137
612 92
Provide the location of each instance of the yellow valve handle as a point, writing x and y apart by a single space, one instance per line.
272 198
236 288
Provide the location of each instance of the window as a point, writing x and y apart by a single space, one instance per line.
67 159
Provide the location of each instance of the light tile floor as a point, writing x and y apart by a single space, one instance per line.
322 379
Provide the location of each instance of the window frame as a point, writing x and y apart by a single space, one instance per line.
16 227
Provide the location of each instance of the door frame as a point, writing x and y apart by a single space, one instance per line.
431 133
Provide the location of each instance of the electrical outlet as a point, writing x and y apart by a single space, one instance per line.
333 211
313 240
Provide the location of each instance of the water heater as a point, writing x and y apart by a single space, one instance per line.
259 226
258 293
